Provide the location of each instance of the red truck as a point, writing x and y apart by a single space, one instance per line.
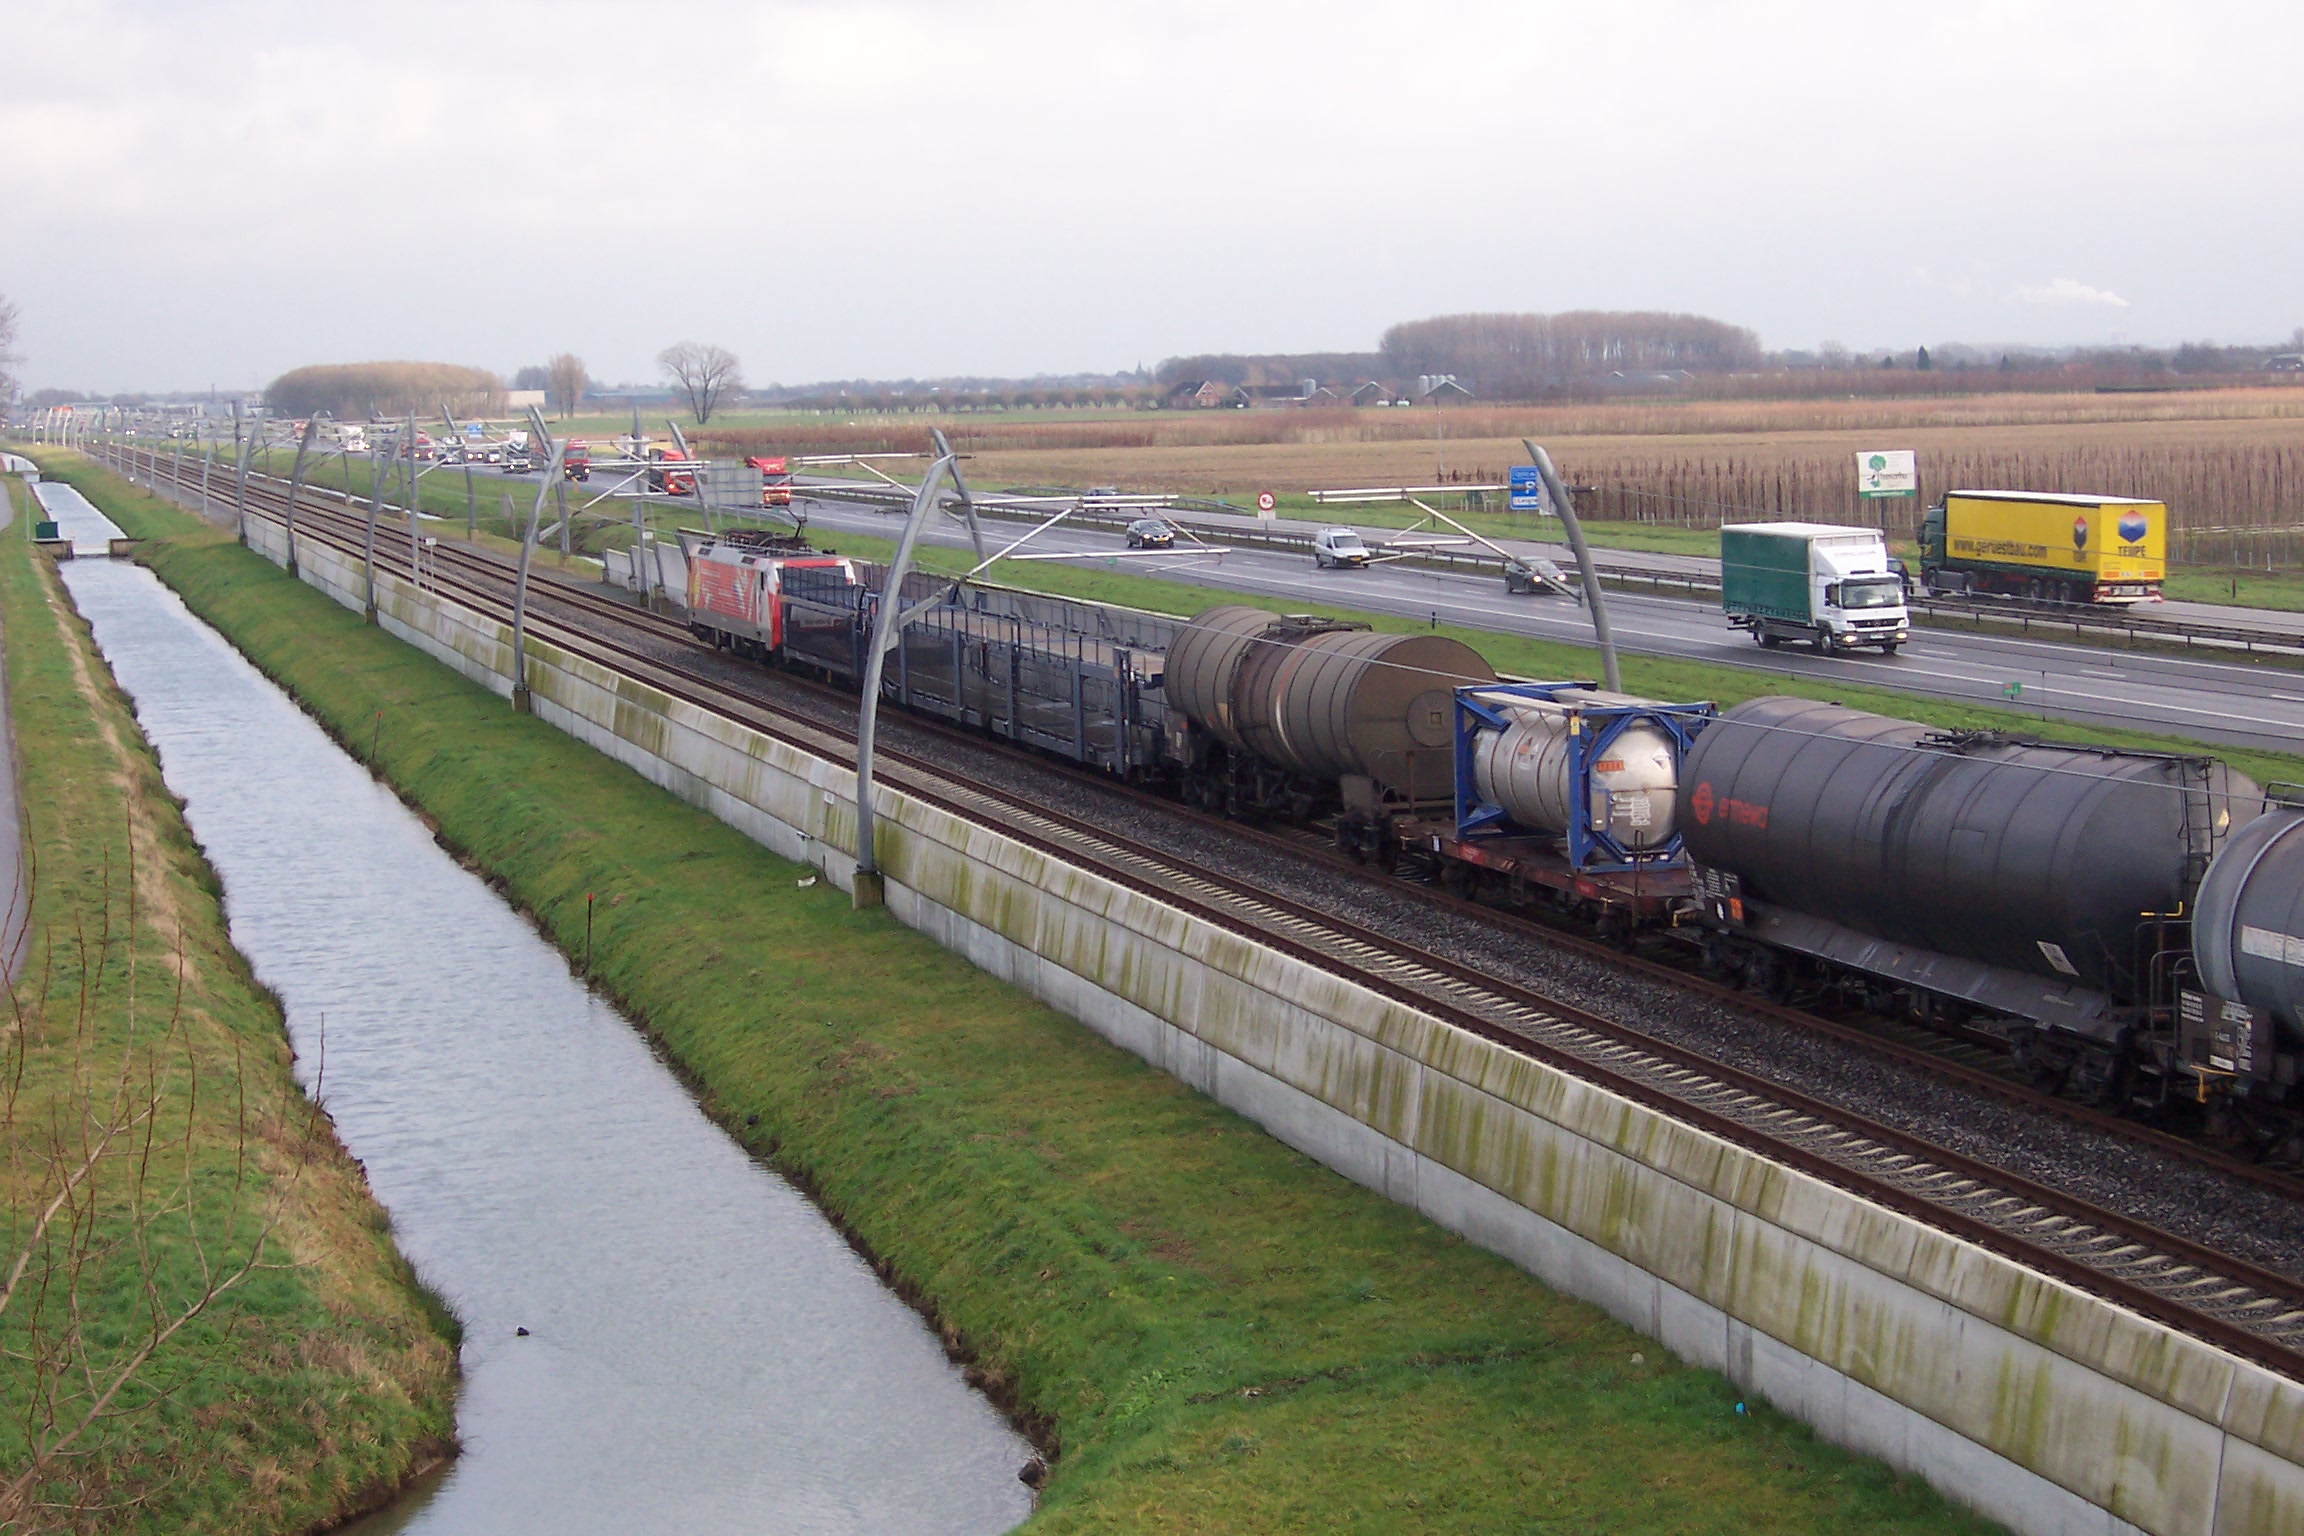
576 461
775 480
669 474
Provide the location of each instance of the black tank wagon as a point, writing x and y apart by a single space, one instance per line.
2045 891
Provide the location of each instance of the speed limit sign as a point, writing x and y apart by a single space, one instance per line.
1266 501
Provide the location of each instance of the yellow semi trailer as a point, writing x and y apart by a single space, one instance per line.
2056 546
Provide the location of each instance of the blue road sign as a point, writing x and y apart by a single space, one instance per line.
1527 489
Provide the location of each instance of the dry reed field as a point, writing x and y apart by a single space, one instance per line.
2229 462
1055 431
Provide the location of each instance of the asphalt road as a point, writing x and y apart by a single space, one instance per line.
2256 706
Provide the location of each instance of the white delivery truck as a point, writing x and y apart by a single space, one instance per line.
1829 586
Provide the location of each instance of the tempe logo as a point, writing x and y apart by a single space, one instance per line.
2080 533
2133 527
1700 804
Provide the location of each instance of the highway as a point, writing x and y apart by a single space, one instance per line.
2215 701
2217 614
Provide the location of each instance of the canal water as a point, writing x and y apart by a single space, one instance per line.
704 1353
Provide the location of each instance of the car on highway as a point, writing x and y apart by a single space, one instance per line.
1333 547
1150 533
519 461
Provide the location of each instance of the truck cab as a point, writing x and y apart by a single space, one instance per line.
1829 586
775 479
669 474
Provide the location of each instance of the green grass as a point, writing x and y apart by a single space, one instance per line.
327 1376
2244 589
1217 1333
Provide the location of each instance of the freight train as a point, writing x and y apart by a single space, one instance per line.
2131 923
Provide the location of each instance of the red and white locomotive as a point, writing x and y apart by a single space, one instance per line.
736 587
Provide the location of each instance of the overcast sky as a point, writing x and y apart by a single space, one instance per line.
216 192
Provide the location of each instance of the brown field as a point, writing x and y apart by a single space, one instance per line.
2229 463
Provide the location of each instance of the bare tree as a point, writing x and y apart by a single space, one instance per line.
702 372
8 358
564 383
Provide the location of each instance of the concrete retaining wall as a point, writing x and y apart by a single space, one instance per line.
2026 1399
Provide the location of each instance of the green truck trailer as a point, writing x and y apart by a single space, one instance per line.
1828 586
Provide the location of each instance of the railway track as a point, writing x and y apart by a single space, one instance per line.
1975 1062
2248 1309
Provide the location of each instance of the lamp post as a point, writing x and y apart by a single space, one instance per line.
870 889
415 567
520 700
375 511
1593 599
296 483
240 477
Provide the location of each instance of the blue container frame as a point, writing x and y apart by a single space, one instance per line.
1597 728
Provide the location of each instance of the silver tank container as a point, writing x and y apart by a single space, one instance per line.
2248 929
1524 769
2042 859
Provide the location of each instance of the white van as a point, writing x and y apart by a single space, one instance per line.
1332 547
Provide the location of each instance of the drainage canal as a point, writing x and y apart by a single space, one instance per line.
704 1353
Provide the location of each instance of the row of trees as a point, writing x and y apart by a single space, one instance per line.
1518 355
1498 356
364 391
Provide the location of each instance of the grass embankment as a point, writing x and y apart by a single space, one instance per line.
303 1375
1217 1333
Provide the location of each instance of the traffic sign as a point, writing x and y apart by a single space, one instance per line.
1527 489
474 431
1889 472
1266 501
